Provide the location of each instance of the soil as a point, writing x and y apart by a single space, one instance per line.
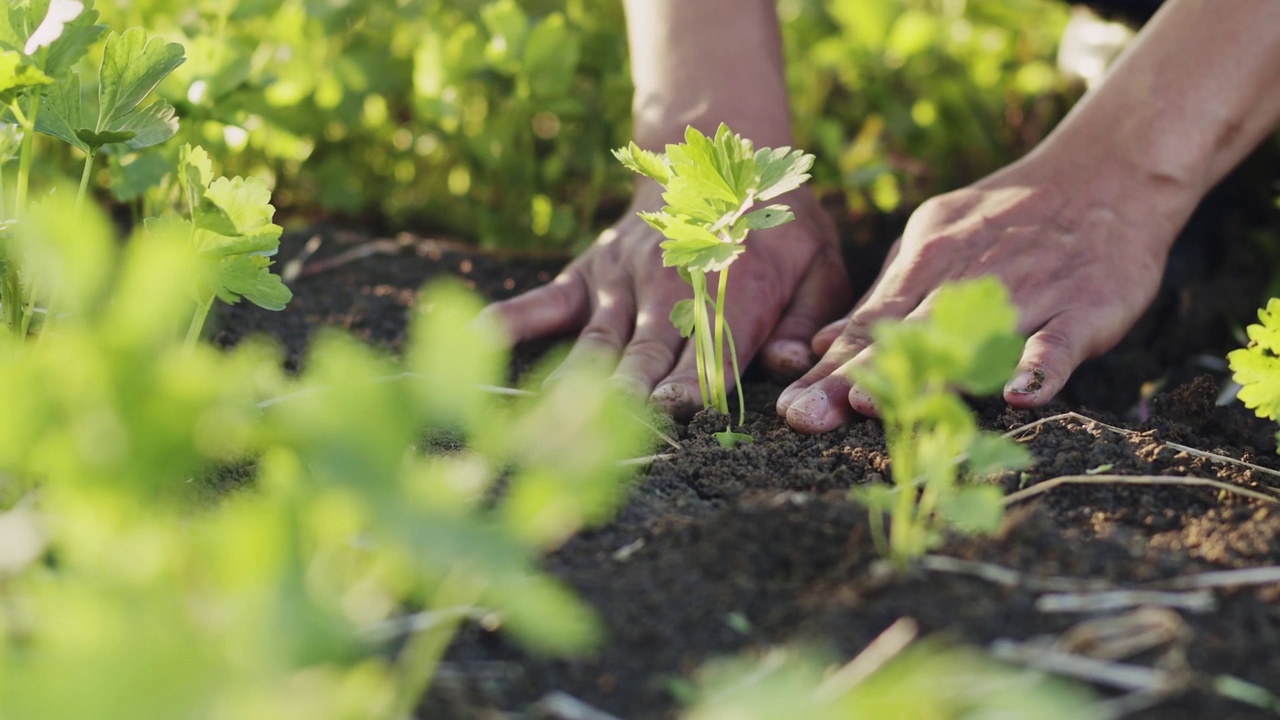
733 550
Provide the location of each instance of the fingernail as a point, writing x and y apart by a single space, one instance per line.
862 401
789 357
629 386
674 399
813 406
789 396
1027 382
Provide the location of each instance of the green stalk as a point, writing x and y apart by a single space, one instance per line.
719 341
737 376
702 324
28 150
84 180
197 322
902 529
421 654
699 282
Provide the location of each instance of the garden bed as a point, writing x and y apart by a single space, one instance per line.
720 551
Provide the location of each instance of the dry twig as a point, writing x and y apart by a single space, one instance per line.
1052 483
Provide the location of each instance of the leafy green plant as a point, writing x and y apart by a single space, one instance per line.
714 188
130 586
927 680
969 343
1257 366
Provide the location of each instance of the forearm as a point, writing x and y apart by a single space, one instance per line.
701 62
1197 91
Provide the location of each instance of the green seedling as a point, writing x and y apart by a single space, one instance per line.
230 225
1257 366
968 343
714 191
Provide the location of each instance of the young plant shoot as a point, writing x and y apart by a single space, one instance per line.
968 343
715 190
1257 367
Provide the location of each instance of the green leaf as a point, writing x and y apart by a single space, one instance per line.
990 453
974 508
149 126
641 161
550 58
1257 367
249 276
682 317
17 75
96 140
768 217
236 206
729 439
781 171
73 44
132 65
61 114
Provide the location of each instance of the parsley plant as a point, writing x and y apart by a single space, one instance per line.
714 188
968 343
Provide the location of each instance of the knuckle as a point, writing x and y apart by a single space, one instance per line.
599 334
652 350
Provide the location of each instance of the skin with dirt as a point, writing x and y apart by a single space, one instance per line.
722 551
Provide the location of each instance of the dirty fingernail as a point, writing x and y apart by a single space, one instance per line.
811 407
789 396
674 399
862 401
1027 382
789 358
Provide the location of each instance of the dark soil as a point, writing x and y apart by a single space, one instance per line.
765 533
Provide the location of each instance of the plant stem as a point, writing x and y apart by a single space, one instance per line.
421 654
84 180
737 376
197 322
899 435
28 150
702 326
719 341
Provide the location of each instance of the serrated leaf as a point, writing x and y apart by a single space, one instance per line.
769 217
132 65
682 317
781 170
235 206
73 44
646 163
1258 373
56 17
61 114
248 276
149 126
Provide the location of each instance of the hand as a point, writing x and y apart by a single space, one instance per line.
1082 257
619 296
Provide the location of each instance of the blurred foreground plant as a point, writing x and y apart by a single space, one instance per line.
969 343
927 681
134 584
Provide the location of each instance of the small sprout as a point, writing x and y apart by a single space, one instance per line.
713 186
729 439
969 342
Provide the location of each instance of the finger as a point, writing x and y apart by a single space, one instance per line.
554 309
600 342
823 293
826 335
650 355
1049 357
679 394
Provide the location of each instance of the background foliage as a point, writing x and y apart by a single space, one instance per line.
492 119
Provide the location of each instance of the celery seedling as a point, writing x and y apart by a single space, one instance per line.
713 188
968 343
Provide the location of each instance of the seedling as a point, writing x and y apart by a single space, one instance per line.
1257 366
714 187
968 343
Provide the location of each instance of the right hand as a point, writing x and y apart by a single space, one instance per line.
618 297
